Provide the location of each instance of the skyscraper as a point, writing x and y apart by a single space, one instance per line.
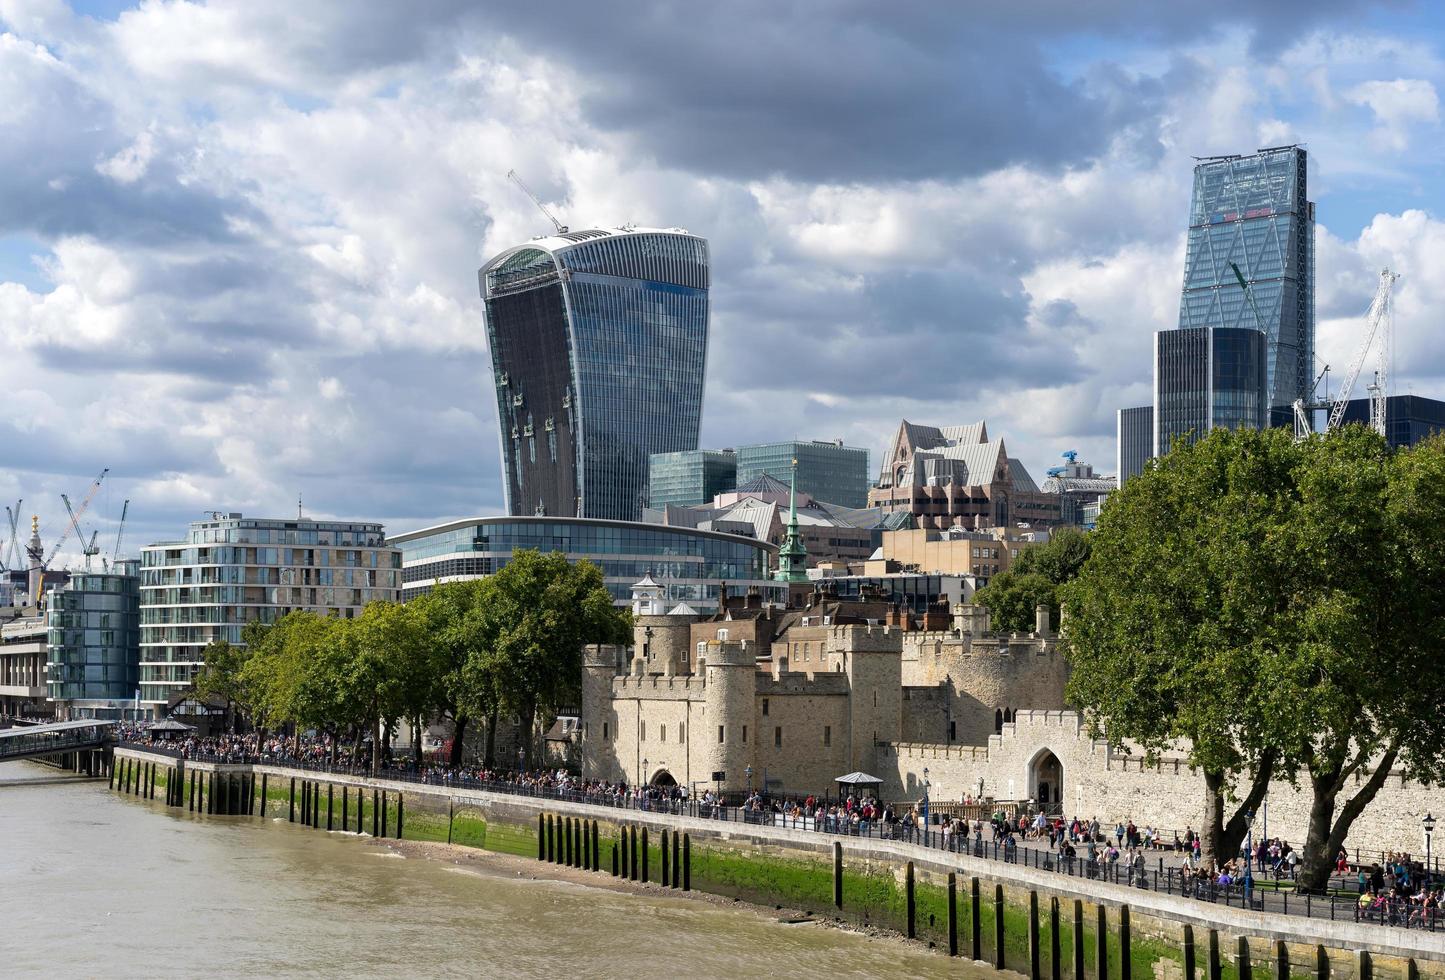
598 341
1249 269
828 471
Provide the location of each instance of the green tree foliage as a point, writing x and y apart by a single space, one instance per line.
1275 606
220 677
1013 596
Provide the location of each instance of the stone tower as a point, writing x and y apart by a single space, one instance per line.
600 664
729 706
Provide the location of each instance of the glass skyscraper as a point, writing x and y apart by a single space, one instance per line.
1249 220
94 642
599 342
690 478
1134 441
827 471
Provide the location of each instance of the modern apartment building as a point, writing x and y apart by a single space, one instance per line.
93 643
231 570
598 342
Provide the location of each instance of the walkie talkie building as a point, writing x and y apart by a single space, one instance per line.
599 343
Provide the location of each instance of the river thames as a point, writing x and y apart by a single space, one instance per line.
102 885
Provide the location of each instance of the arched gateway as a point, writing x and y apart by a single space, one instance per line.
1046 779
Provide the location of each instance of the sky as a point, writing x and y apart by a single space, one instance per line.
239 239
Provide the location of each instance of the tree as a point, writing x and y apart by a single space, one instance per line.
540 612
461 635
1178 609
1012 597
221 677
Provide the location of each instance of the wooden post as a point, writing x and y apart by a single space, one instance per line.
1101 943
632 857
1078 938
837 874
331 805
261 805
644 855
1188 953
291 802
451 814
211 793
383 813
1036 967
616 851
622 839
400 814
952 913
676 862
110 781
1322 963
541 837
666 868
1364 965
360 808
998 938
1125 967
686 862
1213 969
153 781
305 803
909 905
1056 969
1412 969
974 924
596 849
1242 964
191 800
375 812
1281 960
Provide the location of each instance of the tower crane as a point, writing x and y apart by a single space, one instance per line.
75 520
88 550
561 228
1379 321
13 542
120 532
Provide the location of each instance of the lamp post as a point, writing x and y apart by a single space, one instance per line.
749 773
1249 862
925 798
641 773
1427 824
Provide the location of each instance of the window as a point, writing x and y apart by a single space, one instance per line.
662 733
720 731
952 731
642 731
745 734
682 731
778 737
765 707
827 735
605 732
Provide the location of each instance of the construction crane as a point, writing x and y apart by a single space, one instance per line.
1303 424
13 542
88 550
1379 322
561 228
120 532
75 520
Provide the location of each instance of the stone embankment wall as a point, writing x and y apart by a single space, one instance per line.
774 864
1111 786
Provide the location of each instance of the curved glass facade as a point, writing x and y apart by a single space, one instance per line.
93 640
599 344
690 564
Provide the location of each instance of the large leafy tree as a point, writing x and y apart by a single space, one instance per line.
1177 608
221 677
540 612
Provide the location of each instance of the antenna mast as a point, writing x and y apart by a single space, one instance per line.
561 228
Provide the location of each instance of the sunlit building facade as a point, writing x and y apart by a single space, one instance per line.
93 643
599 343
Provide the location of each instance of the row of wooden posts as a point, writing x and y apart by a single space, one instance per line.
576 843
234 794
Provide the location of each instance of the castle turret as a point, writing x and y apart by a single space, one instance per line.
600 664
731 698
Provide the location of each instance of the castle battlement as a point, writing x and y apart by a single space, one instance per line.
659 687
825 683
927 751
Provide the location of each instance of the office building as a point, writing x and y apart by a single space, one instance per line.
93 643
1208 377
1134 441
957 476
690 566
1249 267
1077 486
232 570
22 667
827 471
598 342
1408 418
690 478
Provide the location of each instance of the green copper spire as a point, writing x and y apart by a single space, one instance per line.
792 556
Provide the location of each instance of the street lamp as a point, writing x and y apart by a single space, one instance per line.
1427 824
641 773
1249 860
749 773
925 797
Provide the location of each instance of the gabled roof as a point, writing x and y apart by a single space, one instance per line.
1021 479
763 483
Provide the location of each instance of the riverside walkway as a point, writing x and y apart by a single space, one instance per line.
1119 883
58 738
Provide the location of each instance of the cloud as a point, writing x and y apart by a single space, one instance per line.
1398 105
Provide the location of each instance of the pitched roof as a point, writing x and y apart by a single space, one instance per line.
763 483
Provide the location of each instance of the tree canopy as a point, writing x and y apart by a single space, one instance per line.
1033 580
1269 605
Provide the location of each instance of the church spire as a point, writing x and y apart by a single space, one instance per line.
793 556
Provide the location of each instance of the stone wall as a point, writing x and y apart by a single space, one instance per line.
1098 782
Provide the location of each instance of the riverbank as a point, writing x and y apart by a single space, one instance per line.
1002 913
